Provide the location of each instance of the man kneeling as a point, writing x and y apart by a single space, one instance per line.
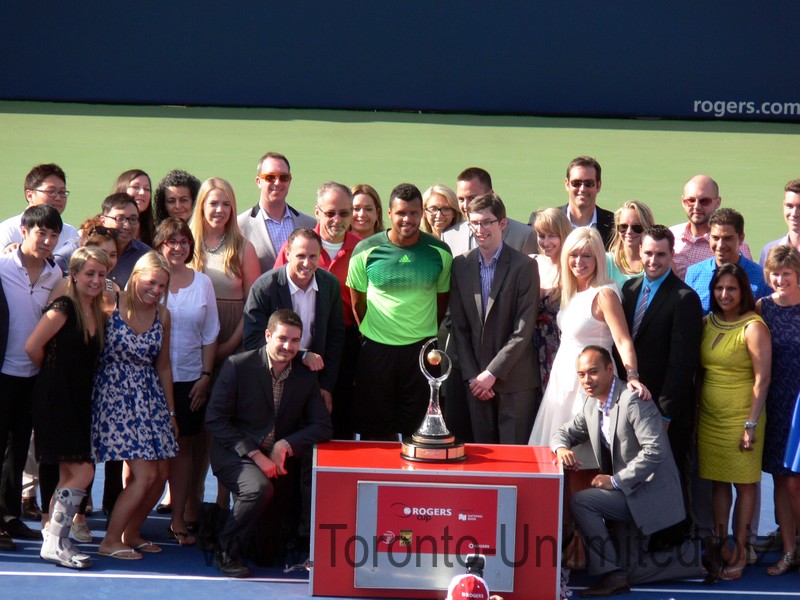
250 443
638 486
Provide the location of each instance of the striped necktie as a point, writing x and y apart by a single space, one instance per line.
640 309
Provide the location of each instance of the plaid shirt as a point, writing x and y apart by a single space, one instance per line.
690 251
277 395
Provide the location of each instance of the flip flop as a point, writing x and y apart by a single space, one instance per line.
182 537
148 547
122 554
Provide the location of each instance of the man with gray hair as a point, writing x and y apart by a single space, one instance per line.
334 212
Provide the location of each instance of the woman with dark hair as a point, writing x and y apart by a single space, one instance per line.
136 183
193 344
781 313
736 358
66 344
175 196
367 211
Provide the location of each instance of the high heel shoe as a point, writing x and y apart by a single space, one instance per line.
788 562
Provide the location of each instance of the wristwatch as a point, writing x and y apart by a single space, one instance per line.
750 425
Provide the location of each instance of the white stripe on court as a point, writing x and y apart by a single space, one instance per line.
156 577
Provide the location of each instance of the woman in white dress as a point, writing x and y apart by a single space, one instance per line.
591 313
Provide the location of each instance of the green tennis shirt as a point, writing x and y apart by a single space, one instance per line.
401 284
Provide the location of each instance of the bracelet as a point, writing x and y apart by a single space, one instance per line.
172 413
750 424
208 373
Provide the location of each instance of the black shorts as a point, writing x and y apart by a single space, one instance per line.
189 422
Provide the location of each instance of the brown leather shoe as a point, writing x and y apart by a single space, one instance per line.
31 510
610 584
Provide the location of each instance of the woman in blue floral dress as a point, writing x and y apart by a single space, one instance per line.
133 408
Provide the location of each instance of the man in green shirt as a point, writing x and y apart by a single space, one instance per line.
399 281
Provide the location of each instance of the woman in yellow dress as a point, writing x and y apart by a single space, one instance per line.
736 356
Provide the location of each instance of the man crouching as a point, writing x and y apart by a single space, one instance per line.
266 406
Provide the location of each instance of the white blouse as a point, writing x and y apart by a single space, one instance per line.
195 323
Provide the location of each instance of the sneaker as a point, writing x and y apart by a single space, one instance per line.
81 532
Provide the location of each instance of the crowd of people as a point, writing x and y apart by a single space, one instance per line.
171 332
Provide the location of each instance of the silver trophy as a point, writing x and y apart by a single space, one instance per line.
433 442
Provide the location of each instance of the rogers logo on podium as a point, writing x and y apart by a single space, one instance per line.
421 512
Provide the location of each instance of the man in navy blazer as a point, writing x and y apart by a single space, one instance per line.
638 485
312 293
494 300
265 407
667 338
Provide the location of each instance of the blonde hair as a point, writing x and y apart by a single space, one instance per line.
452 201
553 220
234 240
149 263
580 239
77 262
645 216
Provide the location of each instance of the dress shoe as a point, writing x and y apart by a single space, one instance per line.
610 584
6 543
17 529
230 566
31 510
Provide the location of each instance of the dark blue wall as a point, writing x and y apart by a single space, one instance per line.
507 56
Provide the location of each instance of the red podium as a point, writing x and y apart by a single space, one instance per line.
387 527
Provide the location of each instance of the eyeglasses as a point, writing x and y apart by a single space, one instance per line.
52 193
589 183
175 244
623 227
343 214
273 177
103 230
445 210
122 219
700 201
482 224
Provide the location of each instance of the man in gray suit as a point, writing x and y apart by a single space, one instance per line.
265 407
638 485
473 182
312 293
268 224
494 299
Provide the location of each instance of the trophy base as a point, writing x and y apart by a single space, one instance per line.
432 449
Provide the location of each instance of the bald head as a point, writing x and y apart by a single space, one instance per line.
700 200
701 182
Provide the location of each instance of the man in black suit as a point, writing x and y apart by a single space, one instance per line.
266 406
665 319
312 293
583 183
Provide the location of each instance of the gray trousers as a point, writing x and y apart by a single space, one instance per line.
627 550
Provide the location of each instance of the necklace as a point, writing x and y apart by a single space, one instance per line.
215 248
627 268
